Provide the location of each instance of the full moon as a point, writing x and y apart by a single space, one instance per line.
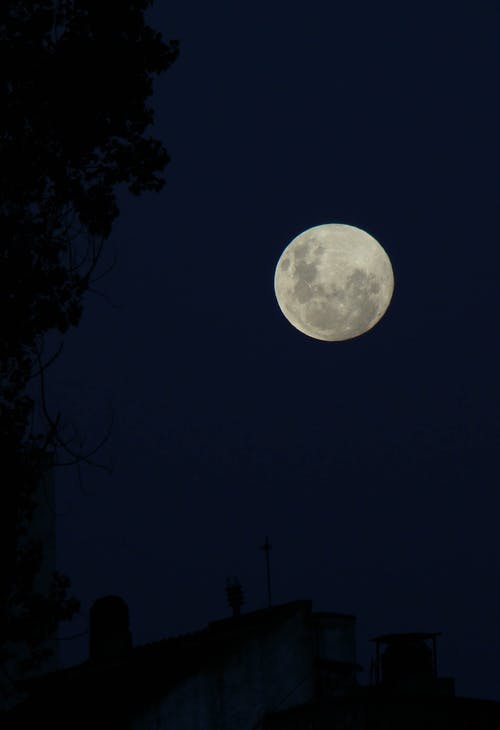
334 282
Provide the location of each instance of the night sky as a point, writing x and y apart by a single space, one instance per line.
372 464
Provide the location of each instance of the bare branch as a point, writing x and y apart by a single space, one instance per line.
79 458
106 272
105 297
49 362
53 433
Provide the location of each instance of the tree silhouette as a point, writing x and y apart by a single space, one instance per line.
75 79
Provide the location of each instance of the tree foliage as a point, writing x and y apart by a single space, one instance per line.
75 80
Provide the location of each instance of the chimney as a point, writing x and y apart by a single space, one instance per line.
109 633
234 594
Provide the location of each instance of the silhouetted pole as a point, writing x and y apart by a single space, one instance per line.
267 548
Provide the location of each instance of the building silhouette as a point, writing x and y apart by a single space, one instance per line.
285 667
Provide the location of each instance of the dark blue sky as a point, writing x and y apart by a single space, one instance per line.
372 463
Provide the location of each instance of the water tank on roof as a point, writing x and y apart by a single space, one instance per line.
406 659
109 632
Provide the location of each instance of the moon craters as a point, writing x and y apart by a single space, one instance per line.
334 282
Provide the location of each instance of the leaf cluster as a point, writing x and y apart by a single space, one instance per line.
76 77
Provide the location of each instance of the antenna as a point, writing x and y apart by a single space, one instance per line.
267 548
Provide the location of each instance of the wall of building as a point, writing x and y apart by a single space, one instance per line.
336 639
254 675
